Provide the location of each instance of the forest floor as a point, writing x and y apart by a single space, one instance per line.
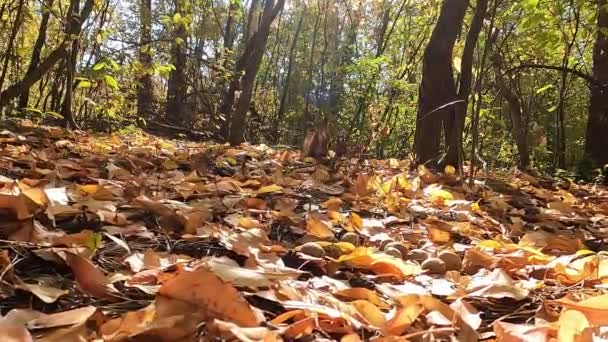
115 238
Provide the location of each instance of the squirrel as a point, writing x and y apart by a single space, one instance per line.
316 143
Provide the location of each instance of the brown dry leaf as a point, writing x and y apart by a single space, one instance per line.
215 297
333 204
47 294
89 277
12 332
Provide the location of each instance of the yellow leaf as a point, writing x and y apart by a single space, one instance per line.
449 170
356 221
318 228
438 235
270 189
475 207
437 195
572 325
248 223
372 314
595 309
361 293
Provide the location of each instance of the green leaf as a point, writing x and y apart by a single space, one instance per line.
84 84
93 242
530 3
54 114
99 66
110 81
544 88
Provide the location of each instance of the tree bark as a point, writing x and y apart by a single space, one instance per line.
437 92
37 49
245 73
176 85
145 94
454 126
596 142
520 131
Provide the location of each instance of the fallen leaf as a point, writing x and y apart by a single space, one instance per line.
215 297
89 277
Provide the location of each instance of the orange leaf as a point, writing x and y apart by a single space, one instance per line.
89 277
215 297
402 320
370 312
318 228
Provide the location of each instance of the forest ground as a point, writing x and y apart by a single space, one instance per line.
133 236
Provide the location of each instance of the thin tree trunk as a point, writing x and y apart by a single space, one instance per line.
145 95
437 92
454 126
292 51
19 87
11 41
71 60
596 142
176 85
245 73
37 49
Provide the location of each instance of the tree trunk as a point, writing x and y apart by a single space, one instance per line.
455 125
437 92
11 41
245 73
37 49
176 86
19 87
292 50
145 95
71 60
596 142
520 131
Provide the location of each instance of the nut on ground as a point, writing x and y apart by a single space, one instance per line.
434 266
393 252
313 249
452 261
417 255
351 238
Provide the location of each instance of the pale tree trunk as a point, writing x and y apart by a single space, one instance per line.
596 143
145 94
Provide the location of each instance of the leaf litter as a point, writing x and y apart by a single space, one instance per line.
125 238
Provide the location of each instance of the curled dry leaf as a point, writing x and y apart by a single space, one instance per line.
89 277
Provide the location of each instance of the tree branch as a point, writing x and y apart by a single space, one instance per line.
588 78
